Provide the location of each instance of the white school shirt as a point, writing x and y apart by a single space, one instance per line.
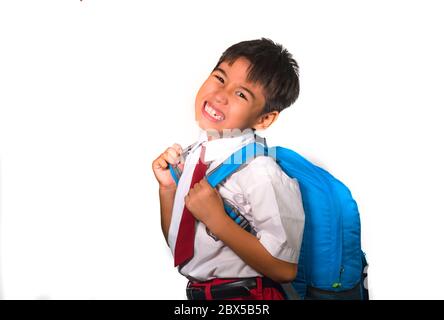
262 192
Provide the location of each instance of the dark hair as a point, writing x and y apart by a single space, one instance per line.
272 66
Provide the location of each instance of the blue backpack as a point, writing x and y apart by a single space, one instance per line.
331 263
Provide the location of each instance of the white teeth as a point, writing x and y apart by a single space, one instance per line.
212 112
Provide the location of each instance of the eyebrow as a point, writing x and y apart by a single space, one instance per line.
242 87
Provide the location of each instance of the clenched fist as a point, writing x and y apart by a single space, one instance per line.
173 156
205 203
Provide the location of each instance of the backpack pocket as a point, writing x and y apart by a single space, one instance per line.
319 294
358 292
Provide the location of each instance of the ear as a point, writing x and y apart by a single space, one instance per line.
265 120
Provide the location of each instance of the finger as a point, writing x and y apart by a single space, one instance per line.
204 183
178 148
176 155
196 186
170 156
160 163
173 152
179 151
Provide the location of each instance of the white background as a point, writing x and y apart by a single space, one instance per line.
91 92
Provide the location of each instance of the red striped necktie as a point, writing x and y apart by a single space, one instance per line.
184 249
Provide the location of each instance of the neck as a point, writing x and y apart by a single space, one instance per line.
213 134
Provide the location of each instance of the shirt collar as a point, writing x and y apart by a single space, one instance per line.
222 148
202 138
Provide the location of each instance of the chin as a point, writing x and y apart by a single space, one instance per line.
205 126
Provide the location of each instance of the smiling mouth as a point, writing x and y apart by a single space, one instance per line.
212 113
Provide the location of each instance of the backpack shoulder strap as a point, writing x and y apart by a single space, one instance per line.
235 162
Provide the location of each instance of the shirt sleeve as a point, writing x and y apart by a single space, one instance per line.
276 207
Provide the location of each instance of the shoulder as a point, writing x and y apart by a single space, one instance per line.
263 164
263 170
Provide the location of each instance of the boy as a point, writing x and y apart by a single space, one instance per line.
252 82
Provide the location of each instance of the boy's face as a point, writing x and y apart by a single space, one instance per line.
226 100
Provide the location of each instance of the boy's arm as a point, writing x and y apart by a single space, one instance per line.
206 205
167 185
250 250
166 196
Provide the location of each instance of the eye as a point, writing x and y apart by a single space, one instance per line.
240 94
219 78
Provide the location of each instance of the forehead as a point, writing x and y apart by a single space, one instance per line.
237 69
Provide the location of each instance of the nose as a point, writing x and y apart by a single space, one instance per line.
221 97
